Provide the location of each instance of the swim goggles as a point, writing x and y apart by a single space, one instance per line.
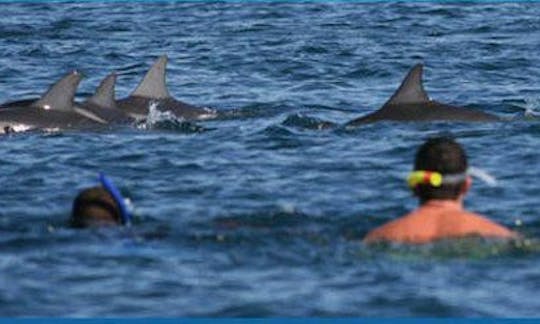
433 178
117 197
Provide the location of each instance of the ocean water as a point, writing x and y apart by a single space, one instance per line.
262 212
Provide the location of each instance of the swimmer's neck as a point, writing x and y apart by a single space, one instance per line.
451 203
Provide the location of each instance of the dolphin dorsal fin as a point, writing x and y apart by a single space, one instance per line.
60 95
411 89
104 96
153 84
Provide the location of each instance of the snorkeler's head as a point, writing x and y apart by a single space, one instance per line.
445 157
95 207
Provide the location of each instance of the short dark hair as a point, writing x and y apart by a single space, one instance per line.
443 155
94 206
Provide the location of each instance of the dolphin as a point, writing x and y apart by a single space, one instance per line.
54 110
153 89
102 104
411 103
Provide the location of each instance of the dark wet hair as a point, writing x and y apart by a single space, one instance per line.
443 155
94 206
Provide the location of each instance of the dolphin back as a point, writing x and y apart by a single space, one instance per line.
411 102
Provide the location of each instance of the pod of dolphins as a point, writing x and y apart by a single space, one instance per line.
57 109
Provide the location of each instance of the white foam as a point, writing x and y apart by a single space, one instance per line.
155 116
531 107
21 128
51 130
16 128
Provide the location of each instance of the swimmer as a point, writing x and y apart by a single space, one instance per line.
100 206
440 181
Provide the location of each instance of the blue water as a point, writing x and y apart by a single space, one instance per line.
262 212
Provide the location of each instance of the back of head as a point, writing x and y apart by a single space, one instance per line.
95 207
445 156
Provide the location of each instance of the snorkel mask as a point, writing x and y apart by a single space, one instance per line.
436 179
118 198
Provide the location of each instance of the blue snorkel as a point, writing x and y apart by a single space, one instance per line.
118 198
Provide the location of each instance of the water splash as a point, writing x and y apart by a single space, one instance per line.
530 108
166 120
18 128
155 116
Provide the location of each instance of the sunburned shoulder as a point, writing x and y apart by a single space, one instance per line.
475 224
411 228
424 226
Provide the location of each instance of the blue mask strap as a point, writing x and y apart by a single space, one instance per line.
117 196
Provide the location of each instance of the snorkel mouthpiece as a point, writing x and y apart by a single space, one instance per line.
118 198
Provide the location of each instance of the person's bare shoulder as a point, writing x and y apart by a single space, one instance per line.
483 226
394 230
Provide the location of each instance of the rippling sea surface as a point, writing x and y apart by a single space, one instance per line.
262 212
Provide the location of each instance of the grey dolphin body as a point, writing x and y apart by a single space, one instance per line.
102 105
153 89
411 103
54 110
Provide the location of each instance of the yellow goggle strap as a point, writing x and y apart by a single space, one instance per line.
434 178
424 177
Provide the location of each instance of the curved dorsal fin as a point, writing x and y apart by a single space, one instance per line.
411 89
153 84
104 96
61 94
